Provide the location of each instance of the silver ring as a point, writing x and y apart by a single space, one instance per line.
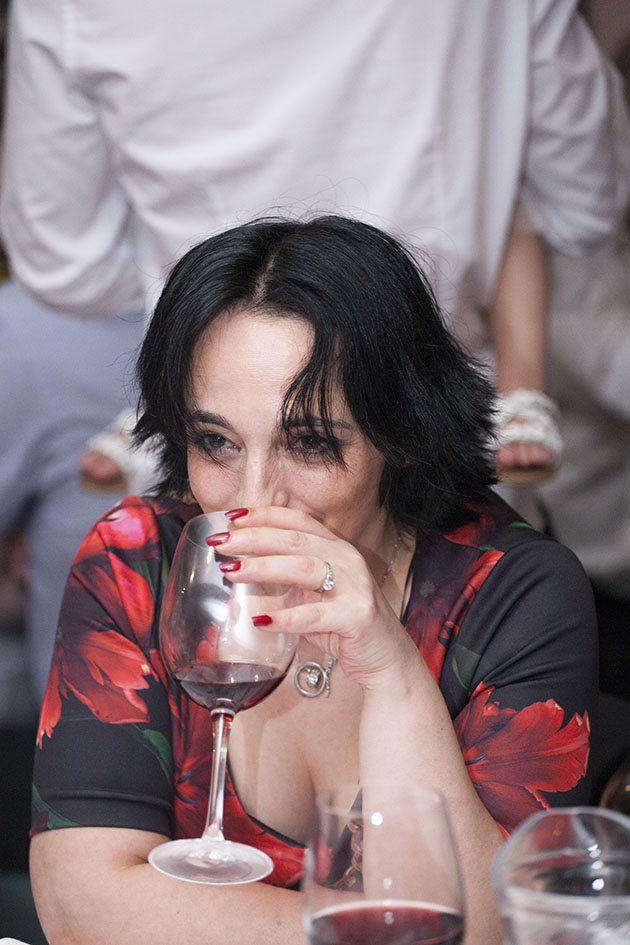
328 582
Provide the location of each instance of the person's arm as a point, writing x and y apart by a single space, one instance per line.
518 317
577 164
405 727
406 730
64 220
521 740
104 891
104 759
518 330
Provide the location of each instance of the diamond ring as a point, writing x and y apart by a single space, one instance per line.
329 581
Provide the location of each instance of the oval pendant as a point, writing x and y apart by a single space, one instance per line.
311 678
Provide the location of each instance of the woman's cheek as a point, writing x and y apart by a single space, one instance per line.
210 485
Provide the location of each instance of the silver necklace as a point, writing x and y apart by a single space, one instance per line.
312 678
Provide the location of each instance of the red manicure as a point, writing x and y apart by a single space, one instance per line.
217 539
229 565
236 513
261 620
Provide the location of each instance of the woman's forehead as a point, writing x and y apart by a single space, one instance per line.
243 351
263 341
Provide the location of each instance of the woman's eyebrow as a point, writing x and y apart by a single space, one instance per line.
204 416
294 423
316 422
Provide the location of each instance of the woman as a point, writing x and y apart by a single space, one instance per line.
299 375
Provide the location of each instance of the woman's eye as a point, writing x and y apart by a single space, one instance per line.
213 444
311 445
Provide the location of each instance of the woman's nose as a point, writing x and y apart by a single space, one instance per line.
262 484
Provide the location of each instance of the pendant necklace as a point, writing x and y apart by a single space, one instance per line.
312 678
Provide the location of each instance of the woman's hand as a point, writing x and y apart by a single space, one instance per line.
352 621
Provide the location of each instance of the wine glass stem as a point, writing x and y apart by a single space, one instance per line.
221 727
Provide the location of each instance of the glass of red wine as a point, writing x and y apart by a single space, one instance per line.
224 663
381 867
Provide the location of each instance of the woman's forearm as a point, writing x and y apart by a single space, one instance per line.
93 886
406 732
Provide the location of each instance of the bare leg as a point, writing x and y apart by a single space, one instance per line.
518 324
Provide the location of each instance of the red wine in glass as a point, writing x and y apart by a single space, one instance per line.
381 867
232 686
386 923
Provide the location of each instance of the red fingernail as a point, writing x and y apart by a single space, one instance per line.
229 565
236 513
217 539
261 620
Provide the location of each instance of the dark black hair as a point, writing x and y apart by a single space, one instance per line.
377 330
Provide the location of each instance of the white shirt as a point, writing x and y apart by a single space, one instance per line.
134 131
588 500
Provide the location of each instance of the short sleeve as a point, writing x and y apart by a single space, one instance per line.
104 755
527 654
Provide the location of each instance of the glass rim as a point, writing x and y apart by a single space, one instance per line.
195 522
502 886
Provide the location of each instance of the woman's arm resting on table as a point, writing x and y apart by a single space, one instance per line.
94 885
533 629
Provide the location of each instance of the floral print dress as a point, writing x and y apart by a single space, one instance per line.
502 615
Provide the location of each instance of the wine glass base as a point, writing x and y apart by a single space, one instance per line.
215 862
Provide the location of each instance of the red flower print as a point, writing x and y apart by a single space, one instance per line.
133 591
192 750
426 626
120 595
159 669
512 756
468 534
434 619
104 670
130 525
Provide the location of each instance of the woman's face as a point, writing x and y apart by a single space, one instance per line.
238 453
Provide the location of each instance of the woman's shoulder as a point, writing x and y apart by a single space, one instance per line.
450 559
500 536
493 525
143 508
463 579
137 523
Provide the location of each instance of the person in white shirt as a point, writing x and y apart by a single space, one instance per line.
129 137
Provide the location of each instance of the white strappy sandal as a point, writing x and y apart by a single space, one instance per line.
528 416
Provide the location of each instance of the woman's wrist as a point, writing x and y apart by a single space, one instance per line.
399 679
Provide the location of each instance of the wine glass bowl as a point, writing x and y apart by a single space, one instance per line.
563 878
226 664
381 867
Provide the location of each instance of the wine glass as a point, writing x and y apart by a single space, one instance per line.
224 663
563 878
381 867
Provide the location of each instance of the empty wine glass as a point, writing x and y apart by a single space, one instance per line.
224 663
381 867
